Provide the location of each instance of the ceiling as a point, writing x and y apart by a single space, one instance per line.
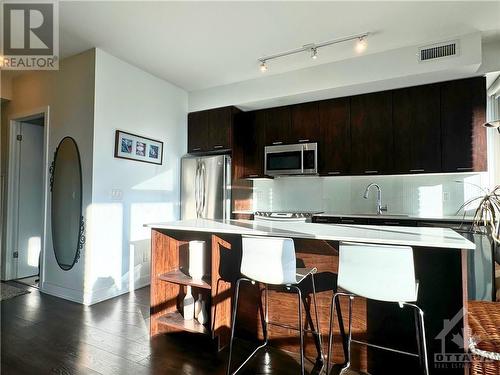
197 45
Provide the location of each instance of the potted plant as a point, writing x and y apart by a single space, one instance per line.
484 317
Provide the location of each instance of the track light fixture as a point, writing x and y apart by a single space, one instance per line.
314 53
312 48
361 44
263 66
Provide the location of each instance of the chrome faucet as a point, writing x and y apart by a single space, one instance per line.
380 208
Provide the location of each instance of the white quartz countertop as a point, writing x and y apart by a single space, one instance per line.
411 236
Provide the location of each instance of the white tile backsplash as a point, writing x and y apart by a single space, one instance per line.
422 195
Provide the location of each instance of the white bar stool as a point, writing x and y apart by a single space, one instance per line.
271 261
383 273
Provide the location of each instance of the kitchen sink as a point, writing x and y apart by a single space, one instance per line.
375 215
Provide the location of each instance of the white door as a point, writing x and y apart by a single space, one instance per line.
30 206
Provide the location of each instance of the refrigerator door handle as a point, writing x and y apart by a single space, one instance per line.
203 179
197 189
226 193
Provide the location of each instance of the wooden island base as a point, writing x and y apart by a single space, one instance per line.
442 282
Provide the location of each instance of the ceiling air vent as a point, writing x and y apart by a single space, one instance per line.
437 51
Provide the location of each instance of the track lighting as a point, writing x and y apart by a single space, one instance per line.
361 44
312 48
263 66
314 53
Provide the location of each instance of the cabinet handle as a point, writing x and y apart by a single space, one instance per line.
333 173
321 220
347 221
196 149
218 146
368 172
303 140
278 143
464 169
417 170
392 223
253 175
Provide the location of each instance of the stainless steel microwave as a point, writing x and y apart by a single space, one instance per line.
296 159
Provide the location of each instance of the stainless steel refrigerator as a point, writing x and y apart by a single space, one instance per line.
206 187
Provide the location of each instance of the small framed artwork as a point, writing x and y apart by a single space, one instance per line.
136 147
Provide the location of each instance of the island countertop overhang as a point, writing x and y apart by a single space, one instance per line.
409 236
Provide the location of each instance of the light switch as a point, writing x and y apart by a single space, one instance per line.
116 194
446 196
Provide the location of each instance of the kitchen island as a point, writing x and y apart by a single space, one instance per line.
441 267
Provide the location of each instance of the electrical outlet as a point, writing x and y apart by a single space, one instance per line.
446 196
116 195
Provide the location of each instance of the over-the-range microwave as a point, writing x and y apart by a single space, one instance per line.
296 159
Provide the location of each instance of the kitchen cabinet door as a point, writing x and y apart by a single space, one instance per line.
417 129
278 122
220 123
463 112
372 134
304 123
254 145
198 130
334 154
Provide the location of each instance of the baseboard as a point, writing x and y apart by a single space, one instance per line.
64 293
97 296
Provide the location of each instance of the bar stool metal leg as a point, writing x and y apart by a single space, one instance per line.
349 338
264 326
318 330
347 344
301 328
420 333
233 324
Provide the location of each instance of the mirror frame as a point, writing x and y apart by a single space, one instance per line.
81 234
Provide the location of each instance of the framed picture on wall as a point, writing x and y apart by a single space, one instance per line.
139 148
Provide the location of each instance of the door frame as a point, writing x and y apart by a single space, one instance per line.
14 122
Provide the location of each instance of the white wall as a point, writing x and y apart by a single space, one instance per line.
5 86
132 100
69 95
433 195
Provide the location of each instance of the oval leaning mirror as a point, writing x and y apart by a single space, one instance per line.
66 204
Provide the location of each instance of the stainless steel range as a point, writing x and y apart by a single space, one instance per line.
291 216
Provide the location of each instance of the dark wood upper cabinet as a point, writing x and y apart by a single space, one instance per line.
417 129
254 144
334 154
198 131
463 111
278 121
219 132
210 130
304 125
371 134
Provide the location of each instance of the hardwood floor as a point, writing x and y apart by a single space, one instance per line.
41 334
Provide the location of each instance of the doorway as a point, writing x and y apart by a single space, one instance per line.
26 198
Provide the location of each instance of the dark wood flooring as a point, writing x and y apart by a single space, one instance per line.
41 334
